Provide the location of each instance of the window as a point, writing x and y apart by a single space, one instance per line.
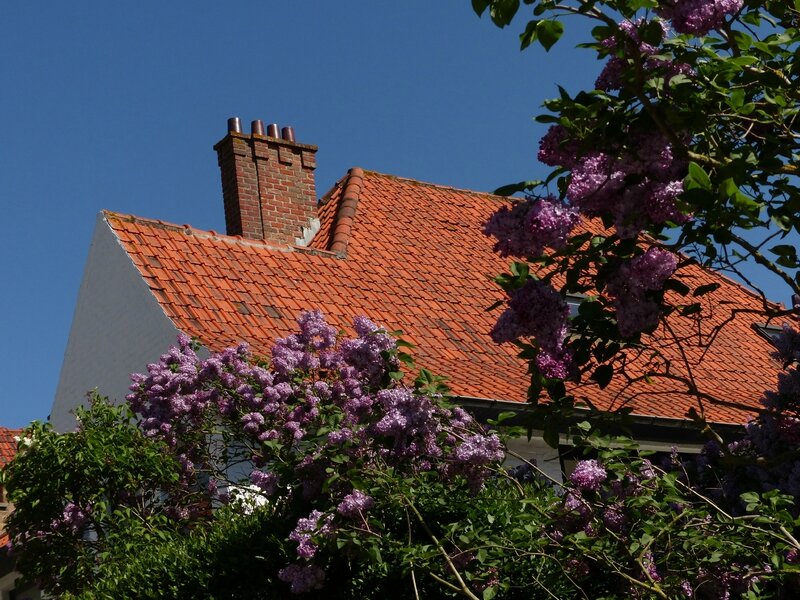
770 332
574 302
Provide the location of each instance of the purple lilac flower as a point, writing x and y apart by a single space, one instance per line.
698 17
305 529
628 41
73 519
788 344
301 350
528 227
577 507
601 184
354 504
303 578
650 567
557 149
614 518
266 482
611 76
479 449
252 422
339 436
630 284
578 568
588 475
596 184
364 354
409 421
537 310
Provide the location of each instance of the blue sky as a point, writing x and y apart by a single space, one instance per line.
117 106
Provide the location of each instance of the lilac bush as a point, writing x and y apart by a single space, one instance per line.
325 406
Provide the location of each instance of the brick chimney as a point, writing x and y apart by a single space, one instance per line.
268 184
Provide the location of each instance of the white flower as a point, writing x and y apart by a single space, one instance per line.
247 498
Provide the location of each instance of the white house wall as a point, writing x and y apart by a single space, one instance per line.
537 451
118 328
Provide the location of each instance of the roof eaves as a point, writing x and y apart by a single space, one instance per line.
234 240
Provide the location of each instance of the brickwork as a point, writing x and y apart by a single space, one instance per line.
267 186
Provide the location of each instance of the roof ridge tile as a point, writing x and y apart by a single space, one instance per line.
346 212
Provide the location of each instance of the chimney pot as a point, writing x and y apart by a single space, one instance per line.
257 127
287 133
234 125
273 131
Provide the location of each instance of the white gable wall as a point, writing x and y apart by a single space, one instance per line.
118 328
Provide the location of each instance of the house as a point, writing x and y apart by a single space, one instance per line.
8 576
409 255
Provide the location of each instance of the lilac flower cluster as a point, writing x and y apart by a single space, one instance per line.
266 482
595 499
558 149
292 352
73 519
528 227
698 17
628 42
639 185
303 578
537 310
588 475
324 405
774 433
788 345
355 504
305 531
631 286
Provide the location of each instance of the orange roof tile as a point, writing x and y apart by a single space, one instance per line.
412 256
8 445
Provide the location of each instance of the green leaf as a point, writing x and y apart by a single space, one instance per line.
520 270
479 6
489 593
697 177
551 436
515 188
784 250
527 37
749 498
549 32
503 11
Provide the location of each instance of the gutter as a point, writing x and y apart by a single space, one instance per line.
660 431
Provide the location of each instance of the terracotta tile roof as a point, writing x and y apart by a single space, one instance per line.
8 448
8 445
411 256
